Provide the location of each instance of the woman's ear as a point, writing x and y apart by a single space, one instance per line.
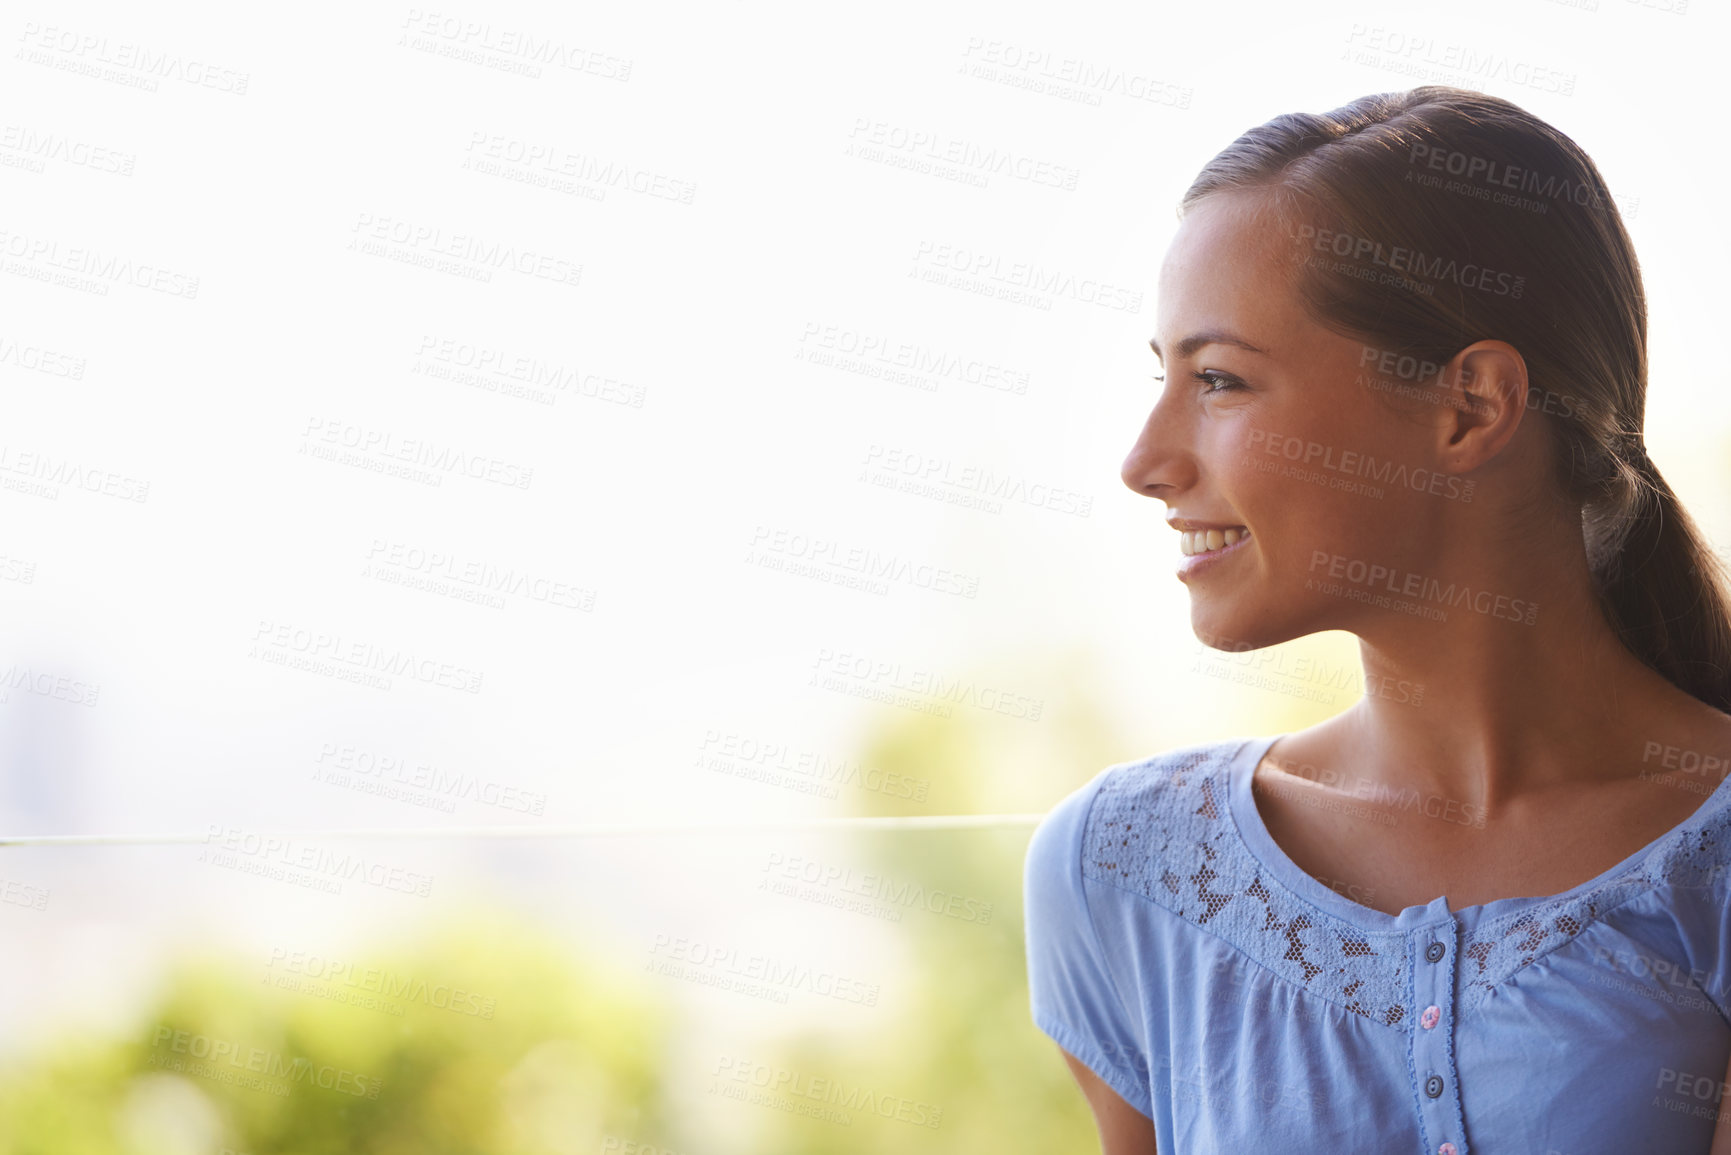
1489 379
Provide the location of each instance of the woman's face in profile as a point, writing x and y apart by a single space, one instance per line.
1263 423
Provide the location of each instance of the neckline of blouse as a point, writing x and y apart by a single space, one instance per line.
1254 835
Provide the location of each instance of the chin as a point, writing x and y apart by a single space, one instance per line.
1229 632
1238 629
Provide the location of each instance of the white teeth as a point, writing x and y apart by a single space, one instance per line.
1193 542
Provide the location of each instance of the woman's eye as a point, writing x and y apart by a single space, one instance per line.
1218 382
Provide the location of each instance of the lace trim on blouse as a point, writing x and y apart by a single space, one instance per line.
1161 829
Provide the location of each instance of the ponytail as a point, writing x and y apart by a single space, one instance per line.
1664 591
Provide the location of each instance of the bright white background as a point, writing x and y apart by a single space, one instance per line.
714 312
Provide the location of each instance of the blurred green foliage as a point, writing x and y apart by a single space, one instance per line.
584 1057
221 1063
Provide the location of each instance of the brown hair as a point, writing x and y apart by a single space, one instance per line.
1444 217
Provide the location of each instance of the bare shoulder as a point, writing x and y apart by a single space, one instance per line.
1690 756
1123 1129
1696 746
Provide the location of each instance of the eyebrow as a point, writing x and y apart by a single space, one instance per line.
1195 341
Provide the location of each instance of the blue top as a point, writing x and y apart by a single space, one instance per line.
1243 1005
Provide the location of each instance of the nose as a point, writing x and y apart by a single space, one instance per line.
1159 465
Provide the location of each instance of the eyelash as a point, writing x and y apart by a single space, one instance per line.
1227 382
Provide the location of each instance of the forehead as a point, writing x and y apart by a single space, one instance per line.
1229 267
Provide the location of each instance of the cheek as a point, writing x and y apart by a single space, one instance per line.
1302 496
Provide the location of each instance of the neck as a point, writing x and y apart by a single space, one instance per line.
1511 709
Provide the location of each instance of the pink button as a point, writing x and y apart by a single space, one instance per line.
1427 1021
1446 1149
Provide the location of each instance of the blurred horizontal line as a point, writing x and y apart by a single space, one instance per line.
589 830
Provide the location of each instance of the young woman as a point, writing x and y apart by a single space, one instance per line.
1486 908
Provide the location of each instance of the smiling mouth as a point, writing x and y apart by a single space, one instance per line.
1201 541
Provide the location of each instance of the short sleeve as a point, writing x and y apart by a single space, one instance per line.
1071 993
1700 908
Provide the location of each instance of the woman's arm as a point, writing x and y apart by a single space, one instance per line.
1722 1128
1126 1131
